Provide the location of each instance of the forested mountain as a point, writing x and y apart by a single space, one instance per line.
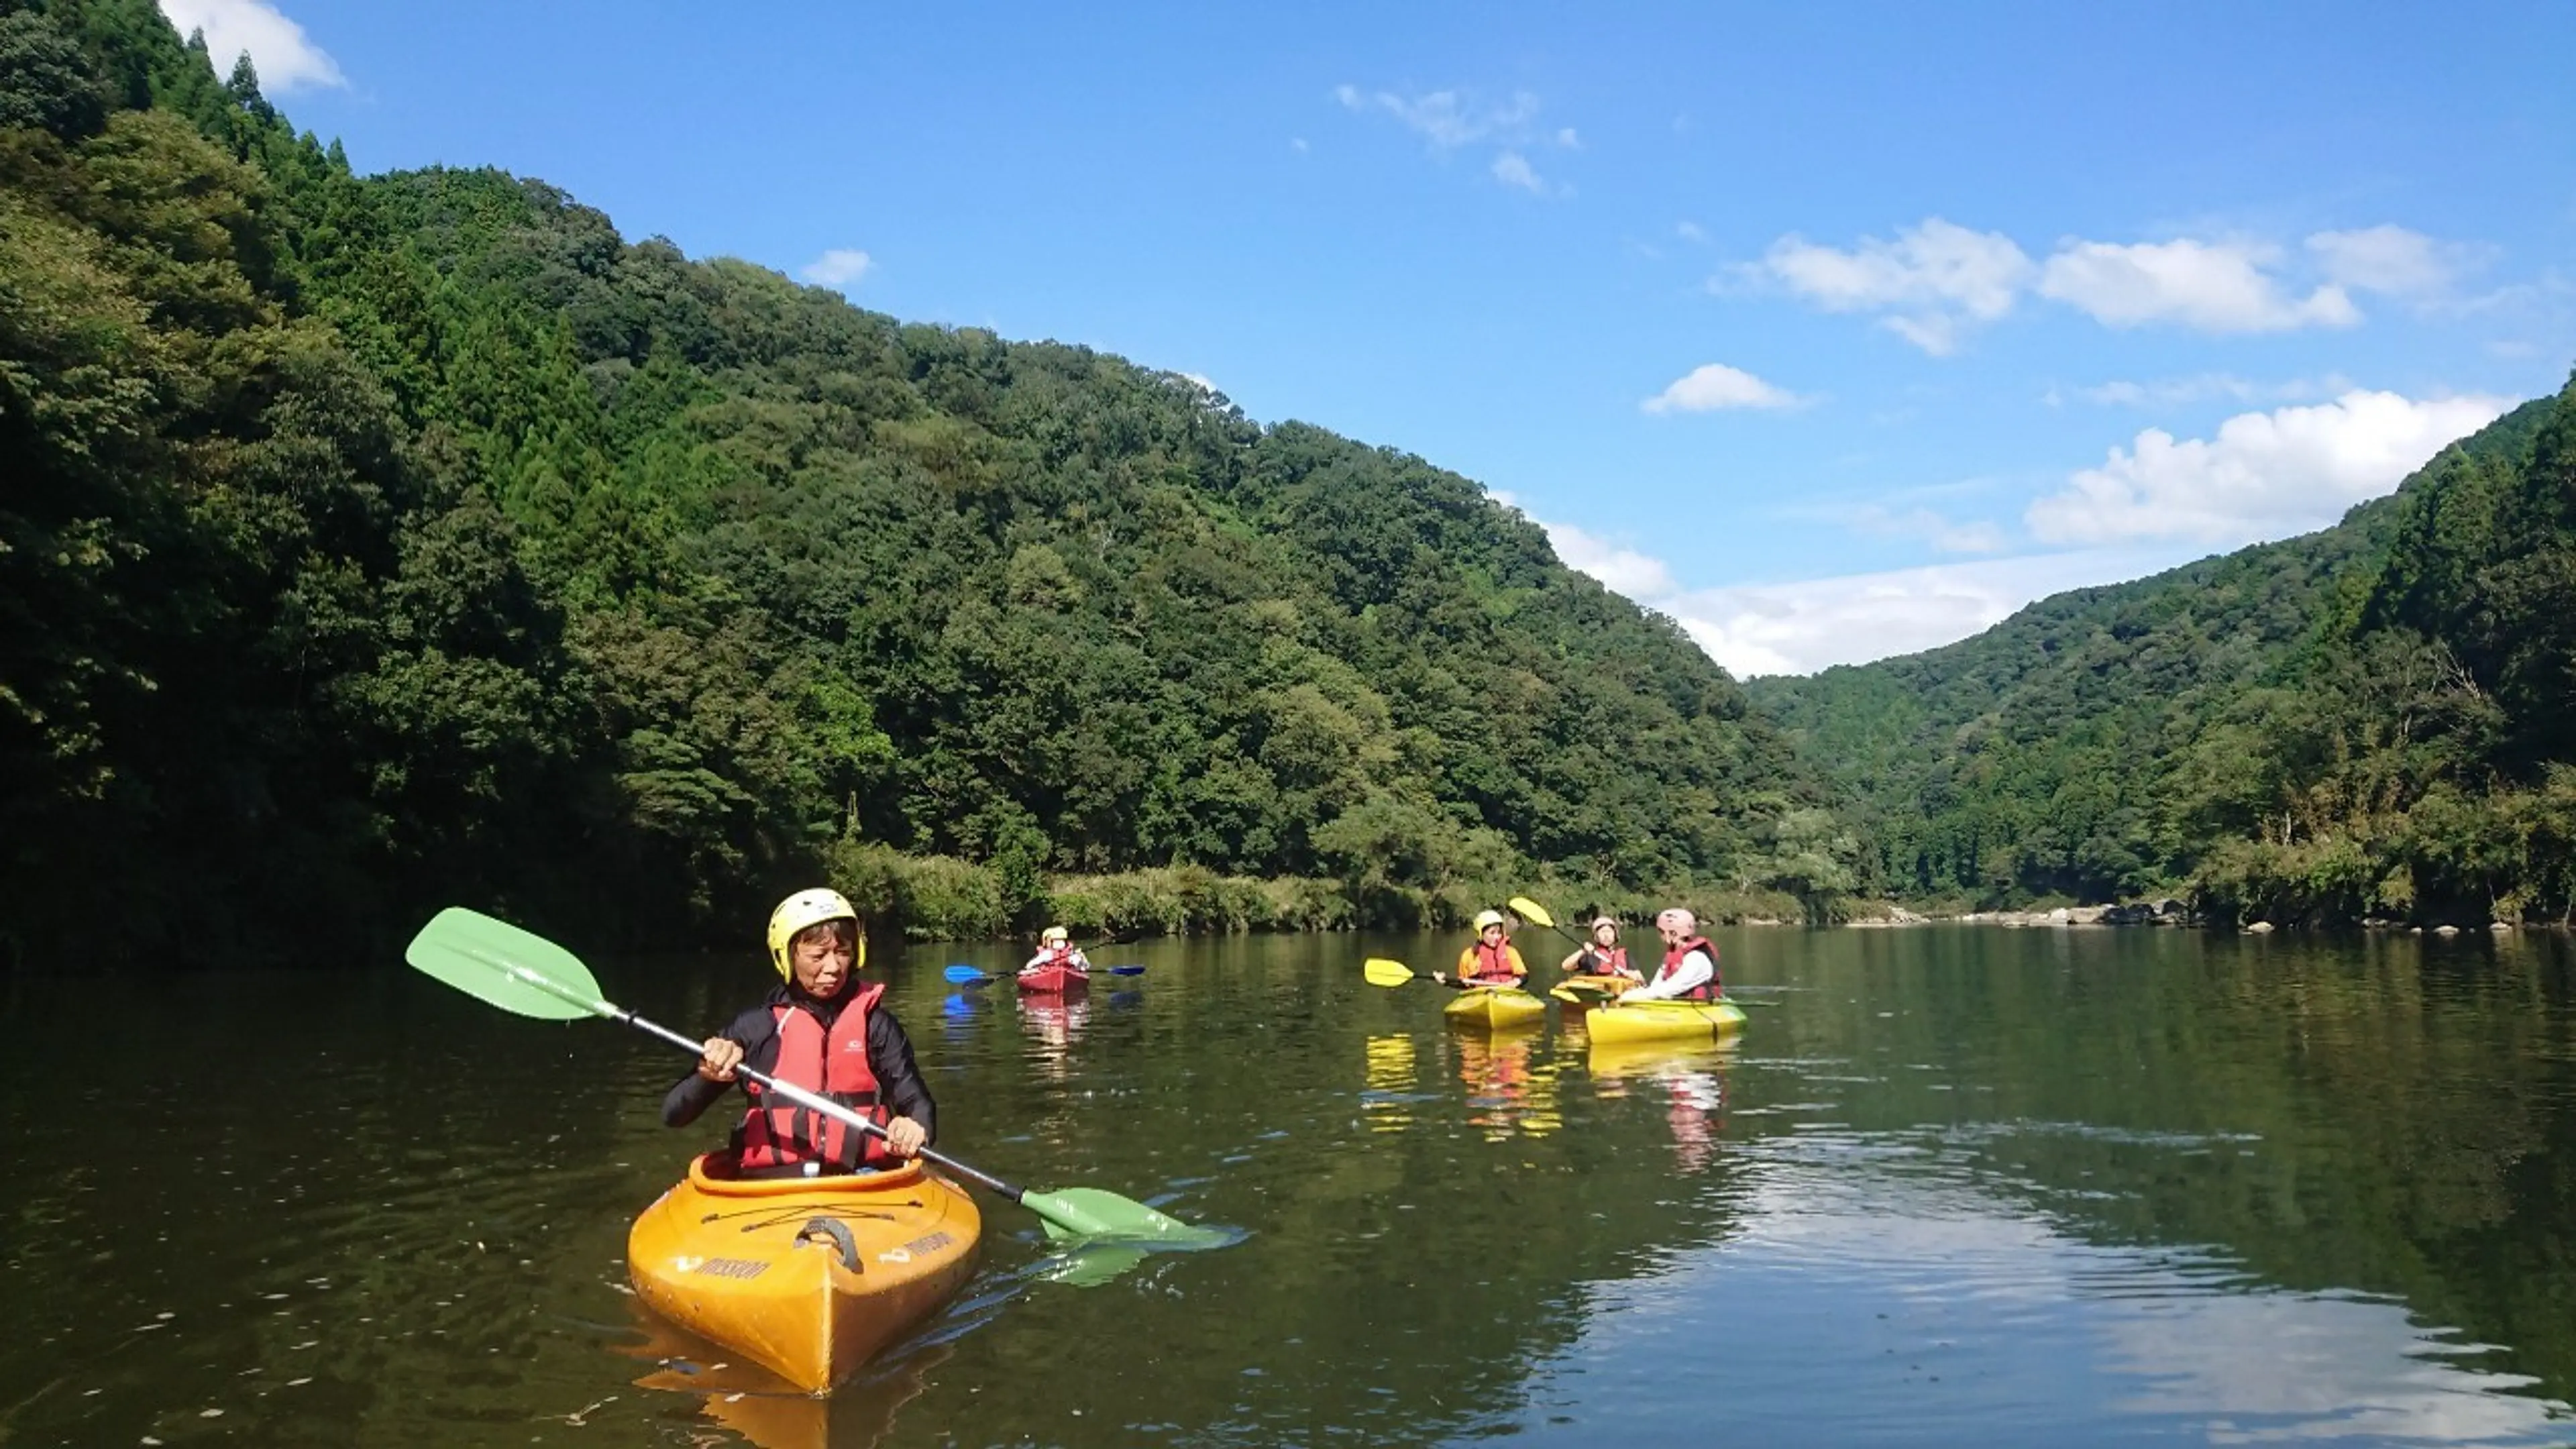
2373 719
372 543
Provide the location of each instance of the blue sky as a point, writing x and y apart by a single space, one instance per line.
1833 331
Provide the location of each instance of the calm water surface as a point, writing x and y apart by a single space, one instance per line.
1953 1185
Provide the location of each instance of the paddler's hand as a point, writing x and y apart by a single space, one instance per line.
723 1054
905 1136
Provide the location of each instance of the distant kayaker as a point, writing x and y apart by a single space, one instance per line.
1057 956
1491 959
1602 955
821 1029
1690 963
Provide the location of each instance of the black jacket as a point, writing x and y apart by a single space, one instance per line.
899 1083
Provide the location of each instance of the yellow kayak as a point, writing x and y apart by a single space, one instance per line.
1495 1007
1590 990
807 1277
1662 1020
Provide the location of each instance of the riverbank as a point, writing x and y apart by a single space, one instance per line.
942 898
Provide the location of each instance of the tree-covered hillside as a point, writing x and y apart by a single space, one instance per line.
2366 720
370 543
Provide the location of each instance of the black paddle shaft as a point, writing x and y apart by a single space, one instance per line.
825 1105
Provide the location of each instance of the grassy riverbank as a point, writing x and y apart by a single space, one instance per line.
939 897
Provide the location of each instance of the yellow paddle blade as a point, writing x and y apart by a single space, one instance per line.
1532 912
1568 997
1382 972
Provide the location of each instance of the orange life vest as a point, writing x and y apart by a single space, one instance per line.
829 1062
1597 962
1708 990
1481 962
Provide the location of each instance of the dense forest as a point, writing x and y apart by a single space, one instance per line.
2370 721
368 544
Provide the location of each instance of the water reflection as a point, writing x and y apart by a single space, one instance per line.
1388 1102
1053 1022
1687 1079
2002 1328
1510 1086
711 1401
1957 1187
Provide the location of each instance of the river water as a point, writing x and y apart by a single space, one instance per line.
1952 1185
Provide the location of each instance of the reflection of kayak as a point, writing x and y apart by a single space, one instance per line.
1590 990
1662 1020
807 1277
1495 1006
1051 980
1610 1060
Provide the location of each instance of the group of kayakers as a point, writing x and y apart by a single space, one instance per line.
1689 971
824 1030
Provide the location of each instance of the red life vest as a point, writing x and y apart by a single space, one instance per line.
830 1062
1708 990
1481 962
1597 962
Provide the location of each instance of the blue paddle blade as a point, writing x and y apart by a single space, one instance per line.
962 973
1121 970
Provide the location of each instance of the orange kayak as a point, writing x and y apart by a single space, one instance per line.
808 1277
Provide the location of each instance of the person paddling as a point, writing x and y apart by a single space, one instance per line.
1602 955
823 1030
1491 959
1690 963
1057 957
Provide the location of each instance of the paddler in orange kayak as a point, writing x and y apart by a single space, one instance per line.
1602 955
1491 959
823 1030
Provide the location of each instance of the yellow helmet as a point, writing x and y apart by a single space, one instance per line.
810 908
1488 918
1053 934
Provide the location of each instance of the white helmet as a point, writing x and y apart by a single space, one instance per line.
1675 918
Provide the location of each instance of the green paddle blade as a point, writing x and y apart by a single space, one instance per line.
497 962
1088 1212
1382 972
1532 912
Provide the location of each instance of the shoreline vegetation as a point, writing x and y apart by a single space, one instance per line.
944 898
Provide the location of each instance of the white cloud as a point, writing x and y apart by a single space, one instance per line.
1620 570
2204 387
1715 385
1931 276
2265 475
1447 119
839 267
1796 628
1812 624
1512 169
285 57
1926 526
1689 231
1932 282
1451 120
2392 260
2211 286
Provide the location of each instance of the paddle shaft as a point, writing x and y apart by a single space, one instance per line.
808 1100
789 1090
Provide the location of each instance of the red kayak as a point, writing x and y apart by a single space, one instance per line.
1054 980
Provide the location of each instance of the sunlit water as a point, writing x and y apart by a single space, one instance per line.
1952 1186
